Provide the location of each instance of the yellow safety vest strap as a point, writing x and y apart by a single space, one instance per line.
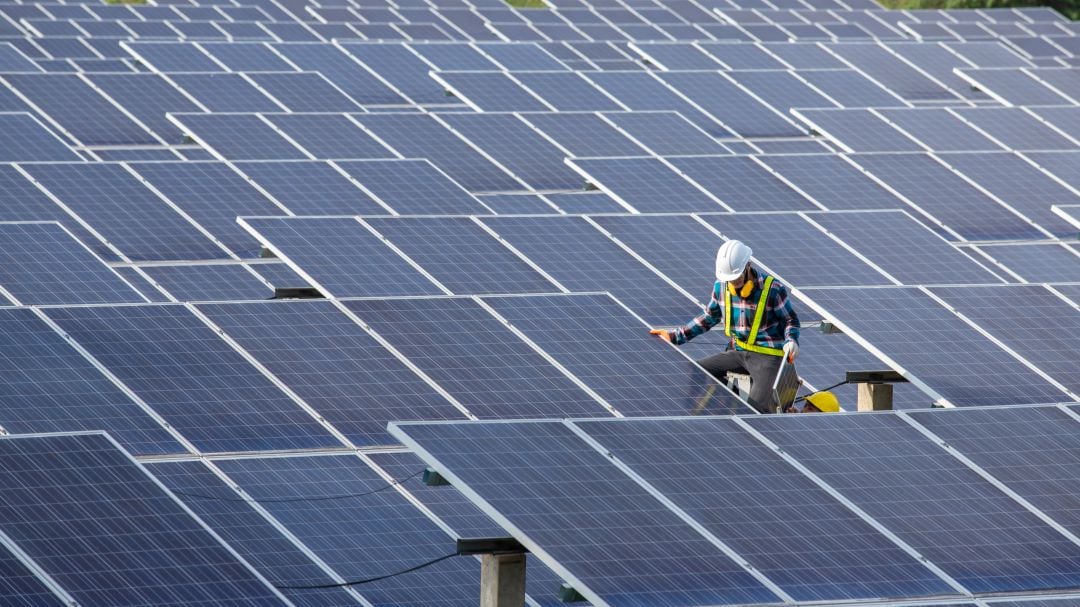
759 314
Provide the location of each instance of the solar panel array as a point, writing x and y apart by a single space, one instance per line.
495 204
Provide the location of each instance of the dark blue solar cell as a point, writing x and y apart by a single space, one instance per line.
927 340
22 585
476 359
517 56
142 284
247 57
938 129
742 56
566 91
13 61
462 256
79 109
173 56
722 476
1065 118
311 188
888 69
665 133
518 204
781 90
401 68
127 154
125 212
28 140
1013 86
1063 165
454 56
148 97
851 89
361 537
939 63
641 554
304 92
225 93
942 508
945 196
832 182
239 137
334 365
736 109
645 184
341 257
420 136
343 70
490 91
213 195
193 378
641 91
1016 129
679 56
42 263
803 56
100 526
1038 262
634 372
742 184
857 130
279 275
584 203
583 259
584 134
272 554
329 136
216 282
685 260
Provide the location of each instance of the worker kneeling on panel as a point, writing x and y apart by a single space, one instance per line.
758 318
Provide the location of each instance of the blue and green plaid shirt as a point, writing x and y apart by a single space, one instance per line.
780 323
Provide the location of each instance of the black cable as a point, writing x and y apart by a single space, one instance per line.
370 579
297 499
822 390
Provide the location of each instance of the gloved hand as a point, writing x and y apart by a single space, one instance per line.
663 333
791 350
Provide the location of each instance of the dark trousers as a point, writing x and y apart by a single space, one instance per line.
762 369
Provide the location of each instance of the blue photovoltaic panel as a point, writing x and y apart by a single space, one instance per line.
781 90
584 135
831 181
933 345
1015 128
246 57
665 133
645 184
400 67
28 140
476 359
127 154
943 509
1046 320
803 56
938 129
304 92
341 256
988 54
1063 165
41 263
21 585
947 197
173 57
194 379
685 260
1064 80
255 538
1014 86
567 91
722 476
909 252
1020 185
582 258
239 137
851 89
518 204
888 69
517 147
225 93
359 537
1066 118
148 97
329 136
213 195
98 525
831 264
679 56
742 56
83 113
279 275
333 364
215 282
520 57
939 63
632 370
585 202
858 131
141 284
413 187
742 184
641 91
12 61
311 188
552 489
491 91
420 136
454 56
51 387
461 255
343 70
124 211
732 106
1038 262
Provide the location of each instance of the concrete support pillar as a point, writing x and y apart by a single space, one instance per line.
502 580
875 397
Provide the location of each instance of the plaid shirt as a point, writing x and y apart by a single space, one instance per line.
780 323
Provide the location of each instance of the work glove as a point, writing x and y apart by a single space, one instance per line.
663 333
791 350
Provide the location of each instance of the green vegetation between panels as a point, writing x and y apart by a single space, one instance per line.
527 3
1069 8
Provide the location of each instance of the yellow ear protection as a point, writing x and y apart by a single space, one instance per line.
744 291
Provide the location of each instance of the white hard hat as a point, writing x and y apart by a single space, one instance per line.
731 260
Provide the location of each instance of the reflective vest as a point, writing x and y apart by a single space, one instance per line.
759 313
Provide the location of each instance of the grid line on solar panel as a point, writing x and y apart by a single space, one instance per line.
664 133
645 184
937 129
1011 86
412 187
303 91
1016 129
311 188
742 183
857 130
28 140
490 91
582 134
238 136
208 282
1036 262
739 110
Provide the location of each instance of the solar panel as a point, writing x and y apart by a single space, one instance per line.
246 57
213 195
310 188
932 345
857 130
401 68
209 282
679 56
888 69
673 564
329 136
642 92
1012 86
1061 79
172 56
851 89
226 93
79 109
333 364
566 91
1069 212
413 187
781 90
453 56
1064 118
730 105
646 184
938 129
939 63
125 212
988 54
584 203
12 60
343 70
304 92
254 537
149 536
29 140
802 56
684 260
518 204
518 56
583 134
1045 320
741 183
148 97
490 91
831 181
279 274
665 133
1015 128
192 378
1065 166
741 56
947 197
1038 262
420 136
340 531
991 543
238 136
